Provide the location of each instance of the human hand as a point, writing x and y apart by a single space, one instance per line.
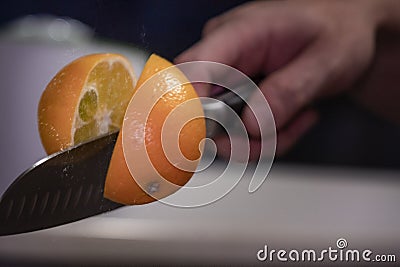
305 49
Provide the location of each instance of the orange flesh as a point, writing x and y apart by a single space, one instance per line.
87 98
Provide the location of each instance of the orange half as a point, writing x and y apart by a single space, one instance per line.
120 186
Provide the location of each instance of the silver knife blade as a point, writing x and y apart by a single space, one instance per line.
62 188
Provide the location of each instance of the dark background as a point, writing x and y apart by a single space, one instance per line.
346 134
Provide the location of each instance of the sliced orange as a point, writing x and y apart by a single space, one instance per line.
120 186
89 97
84 100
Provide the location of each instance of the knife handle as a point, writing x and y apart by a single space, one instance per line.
216 109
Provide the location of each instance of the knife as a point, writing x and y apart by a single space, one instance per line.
68 186
62 188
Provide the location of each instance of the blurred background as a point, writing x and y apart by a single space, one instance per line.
308 206
346 134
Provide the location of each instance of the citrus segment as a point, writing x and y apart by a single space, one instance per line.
86 99
146 134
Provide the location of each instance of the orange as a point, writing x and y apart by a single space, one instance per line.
90 96
84 100
120 186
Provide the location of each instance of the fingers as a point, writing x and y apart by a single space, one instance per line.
230 15
228 45
212 24
299 62
289 89
297 47
238 43
220 46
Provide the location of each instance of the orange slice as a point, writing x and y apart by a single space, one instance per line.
120 186
84 100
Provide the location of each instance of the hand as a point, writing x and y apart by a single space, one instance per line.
305 49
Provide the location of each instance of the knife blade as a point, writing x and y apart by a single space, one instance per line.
68 186
62 188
